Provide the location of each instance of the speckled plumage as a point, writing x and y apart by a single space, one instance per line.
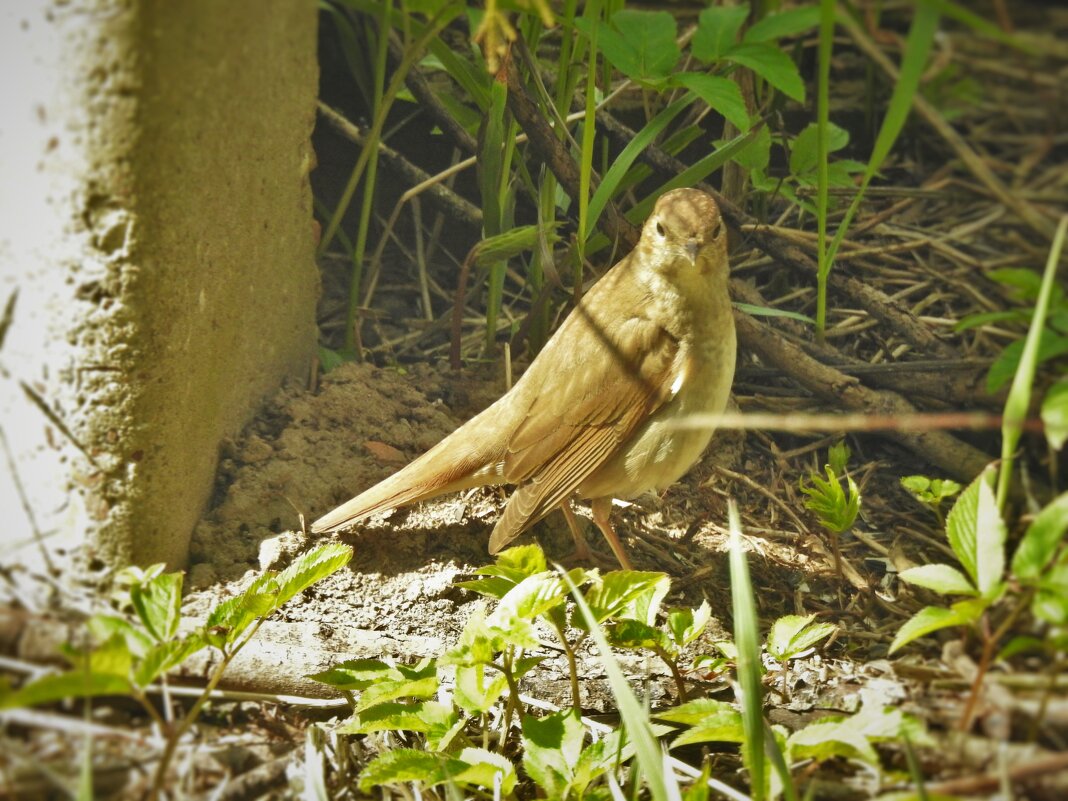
652 341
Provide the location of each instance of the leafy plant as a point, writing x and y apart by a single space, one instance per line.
1025 286
836 508
931 492
132 651
792 636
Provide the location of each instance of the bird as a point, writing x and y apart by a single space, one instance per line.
595 414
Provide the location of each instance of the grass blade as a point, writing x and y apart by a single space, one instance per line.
1020 392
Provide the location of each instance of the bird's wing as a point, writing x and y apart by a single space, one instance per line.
582 411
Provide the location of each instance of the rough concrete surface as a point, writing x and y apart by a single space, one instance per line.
155 223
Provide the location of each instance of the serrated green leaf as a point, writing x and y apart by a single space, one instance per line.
491 587
164 657
616 591
804 154
551 748
933 618
158 603
635 636
962 523
311 567
772 65
478 688
482 768
717 31
943 579
1050 346
792 634
526 560
640 44
357 674
709 721
1042 539
103 627
991 534
785 23
60 686
533 596
418 682
402 765
721 94
686 625
822 741
433 718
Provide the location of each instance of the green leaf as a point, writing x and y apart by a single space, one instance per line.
791 635
402 765
616 591
311 567
158 604
478 688
825 740
481 769
804 154
1026 282
165 656
686 625
640 44
838 456
523 560
970 321
551 748
757 154
933 618
836 509
1055 414
1050 346
717 31
232 617
1051 601
784 23
991 534
1041 540
709 721
420 681
772 65
104 627
438 721
942 579
636 636
531 597
357 674
60 686
721 94
962 522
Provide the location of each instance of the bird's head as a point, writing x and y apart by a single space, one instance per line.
685 235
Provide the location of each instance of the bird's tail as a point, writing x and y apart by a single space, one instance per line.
456 463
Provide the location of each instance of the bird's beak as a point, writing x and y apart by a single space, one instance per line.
691 249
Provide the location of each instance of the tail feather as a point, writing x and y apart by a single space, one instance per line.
450 466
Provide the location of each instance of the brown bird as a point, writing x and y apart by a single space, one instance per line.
593 416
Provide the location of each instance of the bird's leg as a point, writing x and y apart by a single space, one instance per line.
602 510
582 549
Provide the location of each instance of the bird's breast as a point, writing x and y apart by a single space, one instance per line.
661 451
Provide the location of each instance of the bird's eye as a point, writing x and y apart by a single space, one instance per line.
717 230
660 229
